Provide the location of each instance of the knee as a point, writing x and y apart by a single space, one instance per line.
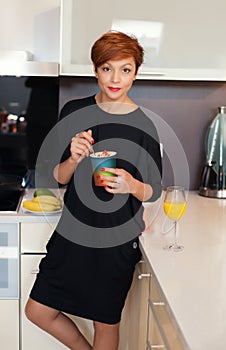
99 327
35 313
30 312
104 328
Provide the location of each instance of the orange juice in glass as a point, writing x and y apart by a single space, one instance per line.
175 207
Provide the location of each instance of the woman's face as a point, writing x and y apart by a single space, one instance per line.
115 78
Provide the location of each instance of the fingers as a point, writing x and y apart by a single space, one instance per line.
86 135
112 181
118 175
90 133
114 171
81 145
119 183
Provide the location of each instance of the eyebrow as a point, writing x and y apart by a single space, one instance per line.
126 64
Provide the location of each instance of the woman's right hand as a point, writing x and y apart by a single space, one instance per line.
81 146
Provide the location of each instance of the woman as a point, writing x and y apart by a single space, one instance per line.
102 274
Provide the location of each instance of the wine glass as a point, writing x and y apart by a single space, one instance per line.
174 208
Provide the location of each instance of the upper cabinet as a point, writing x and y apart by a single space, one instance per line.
183 40
30 37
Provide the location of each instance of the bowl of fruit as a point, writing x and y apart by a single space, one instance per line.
44 201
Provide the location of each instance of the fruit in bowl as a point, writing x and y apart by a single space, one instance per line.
44 200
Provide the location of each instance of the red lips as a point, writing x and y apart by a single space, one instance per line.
114 89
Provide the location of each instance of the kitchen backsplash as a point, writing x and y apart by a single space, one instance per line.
188 107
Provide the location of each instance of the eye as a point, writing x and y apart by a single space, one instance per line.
126 70
106 69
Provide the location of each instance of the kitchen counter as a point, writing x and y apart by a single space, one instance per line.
193 281
23 216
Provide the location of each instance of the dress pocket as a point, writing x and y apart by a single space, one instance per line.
130 253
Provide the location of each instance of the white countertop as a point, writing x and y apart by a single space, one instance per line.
194 280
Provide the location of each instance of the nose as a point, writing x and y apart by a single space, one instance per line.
115 76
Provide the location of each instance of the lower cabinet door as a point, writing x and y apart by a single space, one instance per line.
154 339
9 324
32 337
167 327
133 327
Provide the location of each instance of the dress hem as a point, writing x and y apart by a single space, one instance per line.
77 313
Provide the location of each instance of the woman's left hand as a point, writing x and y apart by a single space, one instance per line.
121 182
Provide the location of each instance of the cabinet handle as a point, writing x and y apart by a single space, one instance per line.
149 346
141 275
158 303
34 272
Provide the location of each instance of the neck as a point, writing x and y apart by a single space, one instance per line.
115 107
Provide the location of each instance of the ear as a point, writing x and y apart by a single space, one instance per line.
135 77
95 71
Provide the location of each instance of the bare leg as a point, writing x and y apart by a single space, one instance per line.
106 336
57 324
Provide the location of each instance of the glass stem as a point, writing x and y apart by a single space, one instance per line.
175 234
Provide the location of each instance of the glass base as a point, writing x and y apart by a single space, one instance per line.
174 247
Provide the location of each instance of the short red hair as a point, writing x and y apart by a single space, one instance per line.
116 45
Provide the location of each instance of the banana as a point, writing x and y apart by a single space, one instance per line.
31 205
43 192
48 200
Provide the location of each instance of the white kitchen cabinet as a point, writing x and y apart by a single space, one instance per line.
32 27
9 324
168 56
34 238
31 41
9 286
33 241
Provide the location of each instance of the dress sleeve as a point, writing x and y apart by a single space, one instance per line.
70 107
154 164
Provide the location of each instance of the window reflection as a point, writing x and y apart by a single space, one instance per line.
149 34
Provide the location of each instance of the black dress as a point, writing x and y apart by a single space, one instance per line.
91 256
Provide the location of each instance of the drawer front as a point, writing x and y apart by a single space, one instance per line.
154 338
34 237
166 324
9 324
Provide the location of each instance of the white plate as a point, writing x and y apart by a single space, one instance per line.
55 212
